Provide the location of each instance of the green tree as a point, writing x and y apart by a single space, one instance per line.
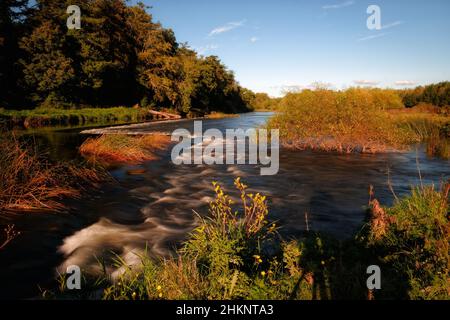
159 69
13 14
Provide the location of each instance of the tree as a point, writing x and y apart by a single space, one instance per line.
436 94
159 69
119 57
13 14
107 56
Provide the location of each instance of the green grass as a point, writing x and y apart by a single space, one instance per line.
411 243
236 253
58 117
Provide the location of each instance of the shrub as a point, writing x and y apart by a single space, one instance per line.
353 120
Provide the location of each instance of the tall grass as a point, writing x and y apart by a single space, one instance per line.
28 181
428 128
113 149
411 242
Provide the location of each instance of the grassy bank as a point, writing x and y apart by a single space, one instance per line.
59 117
236 253
29 181
115 149
39 118
355 120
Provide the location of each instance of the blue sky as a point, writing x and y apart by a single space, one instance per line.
273 46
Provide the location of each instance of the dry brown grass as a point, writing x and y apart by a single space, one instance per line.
28 181
121 148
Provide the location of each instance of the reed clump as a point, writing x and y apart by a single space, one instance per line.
30 182
113 149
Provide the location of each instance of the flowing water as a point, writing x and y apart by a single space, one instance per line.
155 210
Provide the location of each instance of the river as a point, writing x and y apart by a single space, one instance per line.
153 211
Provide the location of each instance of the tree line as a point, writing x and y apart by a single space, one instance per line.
120 56
436 94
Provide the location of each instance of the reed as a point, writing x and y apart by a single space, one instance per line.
113 149
30 182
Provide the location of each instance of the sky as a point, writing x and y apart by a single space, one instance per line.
276 46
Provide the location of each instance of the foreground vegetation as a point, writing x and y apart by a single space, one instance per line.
355 120
29 181
236 253
115 149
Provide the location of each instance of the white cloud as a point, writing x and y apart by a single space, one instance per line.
379 35
227 27
254 39
366 82
391 25
405 83
338 5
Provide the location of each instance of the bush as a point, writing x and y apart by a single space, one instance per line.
353 120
